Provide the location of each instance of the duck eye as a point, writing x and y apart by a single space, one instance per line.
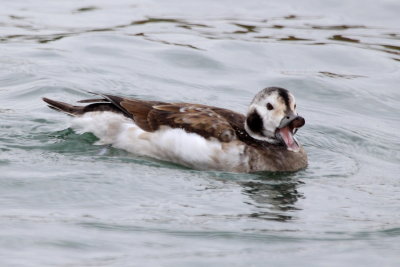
269 106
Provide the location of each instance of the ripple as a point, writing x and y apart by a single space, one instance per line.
257 29
185 59
325 163
350 142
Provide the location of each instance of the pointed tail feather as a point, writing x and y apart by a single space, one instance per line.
64 107
96 100
96 105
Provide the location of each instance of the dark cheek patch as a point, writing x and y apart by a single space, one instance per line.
254 122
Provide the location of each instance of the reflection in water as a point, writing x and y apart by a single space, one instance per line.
339 37
274 196
341 75
338 27
293 38
247 28
85 9
166 42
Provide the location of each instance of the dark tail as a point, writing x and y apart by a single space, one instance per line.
98 105
64 107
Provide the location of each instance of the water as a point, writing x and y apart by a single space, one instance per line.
67 202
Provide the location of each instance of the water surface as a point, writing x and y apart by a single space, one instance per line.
65 201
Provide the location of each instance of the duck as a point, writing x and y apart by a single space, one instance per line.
197 136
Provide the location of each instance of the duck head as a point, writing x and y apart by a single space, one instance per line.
272 118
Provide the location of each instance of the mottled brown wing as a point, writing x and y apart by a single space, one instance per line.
139 111
199 119
193 118
136 109
236 120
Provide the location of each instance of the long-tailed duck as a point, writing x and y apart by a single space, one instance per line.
198 136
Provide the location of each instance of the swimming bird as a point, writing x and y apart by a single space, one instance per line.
195 135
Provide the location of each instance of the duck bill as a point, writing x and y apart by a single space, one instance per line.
286 128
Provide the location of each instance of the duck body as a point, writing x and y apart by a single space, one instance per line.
194 135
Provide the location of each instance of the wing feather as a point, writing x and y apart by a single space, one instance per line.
193 118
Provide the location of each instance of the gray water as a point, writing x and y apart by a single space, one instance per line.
65 201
